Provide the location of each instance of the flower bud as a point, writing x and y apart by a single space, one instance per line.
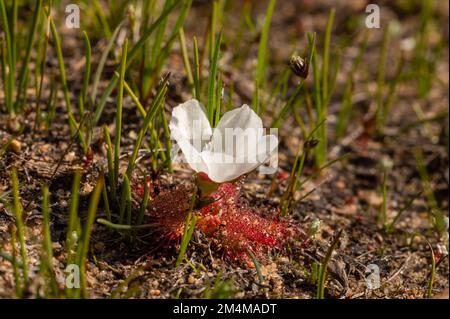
310 144
299 66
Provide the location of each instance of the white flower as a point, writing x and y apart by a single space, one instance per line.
235 147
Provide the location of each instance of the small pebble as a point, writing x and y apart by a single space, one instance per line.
15 146
191 280
155 292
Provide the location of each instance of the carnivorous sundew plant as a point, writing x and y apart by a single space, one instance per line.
220 157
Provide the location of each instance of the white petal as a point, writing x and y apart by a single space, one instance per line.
190 128
192 156
243 119
223 168
189 122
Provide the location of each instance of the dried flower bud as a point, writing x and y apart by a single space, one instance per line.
309 144
299 66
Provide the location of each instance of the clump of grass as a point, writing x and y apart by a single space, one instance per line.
15 97
113 155
39 73
77 236
347 102
75 127
425 55
151 66
214 86
140 46
77 241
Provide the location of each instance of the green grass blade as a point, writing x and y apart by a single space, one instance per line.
9 96
436 214
432 275
381 78
189 228
18 214
46 226
212 89
197 79
102 102
119 107
322 106
347 100
3 70
15 263
125 227
125 199
24 71
187 64
167 140
326 56
390 98
106 204
87 69
323 267
73 227
110 158
144 202
47 258
293 100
